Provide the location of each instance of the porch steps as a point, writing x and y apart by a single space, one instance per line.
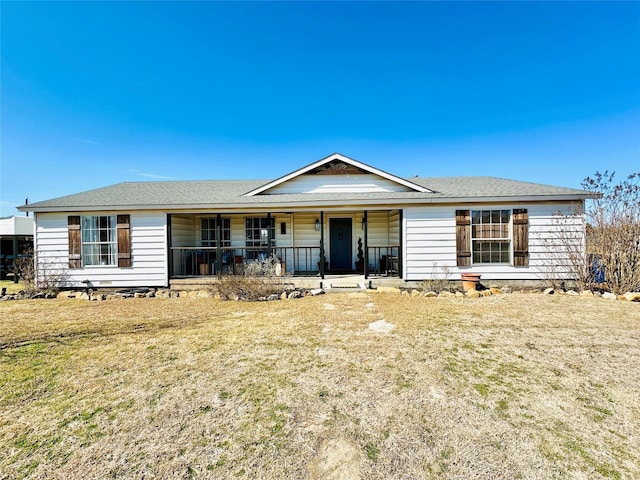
341 286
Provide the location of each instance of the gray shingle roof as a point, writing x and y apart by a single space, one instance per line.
230 194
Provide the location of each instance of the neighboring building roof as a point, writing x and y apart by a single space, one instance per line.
22 226
231 194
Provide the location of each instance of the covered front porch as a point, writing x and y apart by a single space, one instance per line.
306 244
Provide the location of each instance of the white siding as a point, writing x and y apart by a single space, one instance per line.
286 239
360 183
183 231
148 252
377 229
394 227
305 235
430 244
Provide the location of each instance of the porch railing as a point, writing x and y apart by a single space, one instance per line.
384 260
301 261
199 261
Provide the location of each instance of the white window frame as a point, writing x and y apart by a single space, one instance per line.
99 238
491 239
256 234
211 232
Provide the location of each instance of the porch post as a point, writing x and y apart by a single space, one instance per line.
366 244
400 244
322 245
15 258
219 244
169 250
269 235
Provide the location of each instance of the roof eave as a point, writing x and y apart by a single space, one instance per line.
355 201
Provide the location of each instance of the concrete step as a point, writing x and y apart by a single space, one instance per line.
346 286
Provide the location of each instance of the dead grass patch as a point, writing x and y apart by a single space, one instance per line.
11 286
514 386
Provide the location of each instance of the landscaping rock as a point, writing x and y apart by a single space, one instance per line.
388 290
381 326
495 290
571 292
486 293
632 296
506 290
415 293
430 294
404 293
316 291
446 294
459 295
273 296
549 291
586 293
295 294
473 293
609 296
283 296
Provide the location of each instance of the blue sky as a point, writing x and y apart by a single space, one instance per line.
97 93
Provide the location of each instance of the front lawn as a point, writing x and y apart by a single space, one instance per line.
510 386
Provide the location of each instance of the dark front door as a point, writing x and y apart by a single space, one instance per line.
340 244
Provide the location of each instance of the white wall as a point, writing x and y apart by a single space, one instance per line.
430 244
16 226
352 183
148 251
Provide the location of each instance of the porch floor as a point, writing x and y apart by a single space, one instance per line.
337 282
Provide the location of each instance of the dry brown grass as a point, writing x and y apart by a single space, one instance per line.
517 386
11 286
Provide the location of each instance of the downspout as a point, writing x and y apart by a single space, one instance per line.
169 251
400 255
322 245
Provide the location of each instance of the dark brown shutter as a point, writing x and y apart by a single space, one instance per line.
75 243
124 241
463 238
520 237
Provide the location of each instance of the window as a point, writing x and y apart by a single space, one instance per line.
99 240
258 233
490 238
209 232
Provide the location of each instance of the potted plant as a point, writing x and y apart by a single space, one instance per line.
323 262
470 281
360 262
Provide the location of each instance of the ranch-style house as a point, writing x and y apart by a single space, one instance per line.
336 215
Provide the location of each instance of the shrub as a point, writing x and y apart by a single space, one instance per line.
257 281
613 229
40 275
438 280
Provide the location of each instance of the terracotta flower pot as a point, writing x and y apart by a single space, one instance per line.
470 281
